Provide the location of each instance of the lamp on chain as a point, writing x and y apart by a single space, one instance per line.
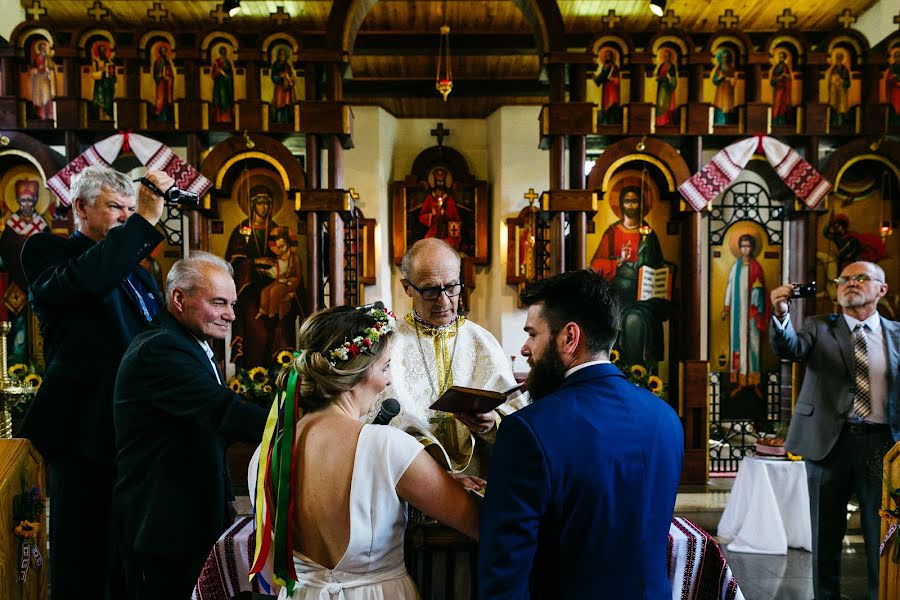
444 82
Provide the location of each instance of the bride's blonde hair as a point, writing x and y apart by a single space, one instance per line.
321 376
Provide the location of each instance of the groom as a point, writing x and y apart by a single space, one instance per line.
582 483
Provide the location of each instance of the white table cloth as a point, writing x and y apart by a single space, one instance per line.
768 509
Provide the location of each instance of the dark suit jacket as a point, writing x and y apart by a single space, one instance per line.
825 344
77 290
580 494
173 423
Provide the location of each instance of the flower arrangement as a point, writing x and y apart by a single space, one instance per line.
26 375
257 385
640 375
27 508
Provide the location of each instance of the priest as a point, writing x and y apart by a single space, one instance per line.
433 348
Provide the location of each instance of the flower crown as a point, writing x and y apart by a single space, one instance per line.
385 323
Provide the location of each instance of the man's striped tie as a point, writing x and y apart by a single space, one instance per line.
862 399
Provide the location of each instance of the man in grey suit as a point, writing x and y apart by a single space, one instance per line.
847 415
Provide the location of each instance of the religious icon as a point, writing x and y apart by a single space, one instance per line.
439 213
666 76
24 201
892 87
838 77
746 306
222 74
630 257
164 78
43 79
284 79
608 78
724 78
781 78
103 73
267 272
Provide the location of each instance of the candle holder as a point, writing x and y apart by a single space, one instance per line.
11 392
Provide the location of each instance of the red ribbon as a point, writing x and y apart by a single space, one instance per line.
759 144
126 147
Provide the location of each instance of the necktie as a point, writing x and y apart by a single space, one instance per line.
862 399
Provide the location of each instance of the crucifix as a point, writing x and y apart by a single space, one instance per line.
36 11
440 133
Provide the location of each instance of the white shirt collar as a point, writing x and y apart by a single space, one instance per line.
590 363
873 322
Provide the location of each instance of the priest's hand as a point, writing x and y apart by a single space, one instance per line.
478 423
469 482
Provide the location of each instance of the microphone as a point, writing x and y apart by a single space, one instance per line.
390 408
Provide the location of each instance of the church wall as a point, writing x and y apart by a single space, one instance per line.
11 14
367 169
878 22
515 164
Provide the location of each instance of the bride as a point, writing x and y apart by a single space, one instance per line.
335 506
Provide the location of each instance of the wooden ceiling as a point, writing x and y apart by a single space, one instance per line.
495 56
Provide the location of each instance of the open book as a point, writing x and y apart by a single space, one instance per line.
654 283
463 399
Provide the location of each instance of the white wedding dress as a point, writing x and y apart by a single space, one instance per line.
372 567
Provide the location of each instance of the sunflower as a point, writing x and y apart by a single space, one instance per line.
258 375
613 356
28 528
654 384
18 370
34 380
638 371
284 358
235 384
267 388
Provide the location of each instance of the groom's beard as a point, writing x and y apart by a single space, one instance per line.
546 375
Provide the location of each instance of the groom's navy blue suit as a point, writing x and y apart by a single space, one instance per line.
580 493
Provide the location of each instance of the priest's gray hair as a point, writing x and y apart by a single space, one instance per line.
426 246
189 274
90 182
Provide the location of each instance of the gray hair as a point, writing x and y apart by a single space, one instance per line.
426 245
90 182
189 274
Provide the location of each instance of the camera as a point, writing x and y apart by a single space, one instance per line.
182 198
173 196
803 290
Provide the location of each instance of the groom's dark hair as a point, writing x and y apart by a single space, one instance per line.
581 297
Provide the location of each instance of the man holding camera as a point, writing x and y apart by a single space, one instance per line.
846 417
91 297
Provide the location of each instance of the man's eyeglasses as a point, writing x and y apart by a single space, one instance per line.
861 278
433 293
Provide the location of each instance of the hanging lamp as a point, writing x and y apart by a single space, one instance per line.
443 83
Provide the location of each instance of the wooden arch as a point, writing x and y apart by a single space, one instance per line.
662 155
347 16
223 152
884 148
37 153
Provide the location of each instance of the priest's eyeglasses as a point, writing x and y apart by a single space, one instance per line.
433 293
861 278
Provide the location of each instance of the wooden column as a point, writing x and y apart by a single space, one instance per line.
638 80
336 259
197 235
335 150
313 176
314 275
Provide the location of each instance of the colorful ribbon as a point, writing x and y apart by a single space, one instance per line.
275 488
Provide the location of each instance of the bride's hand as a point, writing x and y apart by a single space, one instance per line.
468 482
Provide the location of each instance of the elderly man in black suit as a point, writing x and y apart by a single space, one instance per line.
846 417
91 297
174 418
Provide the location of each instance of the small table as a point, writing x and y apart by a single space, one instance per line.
768 509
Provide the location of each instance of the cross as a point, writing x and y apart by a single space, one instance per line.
611 19
847 18
218 15
157 13
670 20
787 19
279 16
98 11
440 133
531 196
36 11
729 20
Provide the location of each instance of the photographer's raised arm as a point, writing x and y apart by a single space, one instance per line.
781 297
149 203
